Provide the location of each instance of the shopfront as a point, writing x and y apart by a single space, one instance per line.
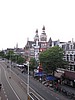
69 78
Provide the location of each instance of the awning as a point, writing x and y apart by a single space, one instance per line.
40 74
58 74
50 78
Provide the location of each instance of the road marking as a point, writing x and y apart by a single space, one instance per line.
35 96
4 92
10 84
29 86
57 98
0 98
51 94
5 95
26 84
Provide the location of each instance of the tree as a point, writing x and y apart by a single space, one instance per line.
20 59
9 54
2 53
32 63
52 58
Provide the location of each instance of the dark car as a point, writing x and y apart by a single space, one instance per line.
7 66
0 85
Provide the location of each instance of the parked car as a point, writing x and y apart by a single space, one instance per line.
0 85
7 66
20 66
23 70
44 82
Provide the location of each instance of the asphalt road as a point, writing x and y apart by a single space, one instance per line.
42 92
8 92
15 84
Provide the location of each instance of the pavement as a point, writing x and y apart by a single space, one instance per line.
68 88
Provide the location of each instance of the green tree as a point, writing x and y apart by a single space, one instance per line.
20 59
52 59
2 54
9 54
32 64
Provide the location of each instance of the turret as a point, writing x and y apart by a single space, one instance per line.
36 38
43 36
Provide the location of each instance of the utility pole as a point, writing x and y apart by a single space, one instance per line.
0 79
28 79
28 97
0 75
10 65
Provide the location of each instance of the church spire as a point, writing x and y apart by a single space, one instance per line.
36 35
43 29
43 36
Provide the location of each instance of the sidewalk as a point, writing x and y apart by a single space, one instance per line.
68 88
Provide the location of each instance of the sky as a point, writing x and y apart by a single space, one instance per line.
19 20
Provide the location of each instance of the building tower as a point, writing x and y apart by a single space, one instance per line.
43 36
36 38
36 45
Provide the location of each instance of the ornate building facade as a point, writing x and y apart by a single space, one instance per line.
39 44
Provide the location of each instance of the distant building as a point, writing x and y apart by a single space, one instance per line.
33 48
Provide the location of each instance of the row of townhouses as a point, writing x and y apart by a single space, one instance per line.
40 43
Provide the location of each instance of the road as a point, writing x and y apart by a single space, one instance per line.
42 92
6 88
11 86
39 90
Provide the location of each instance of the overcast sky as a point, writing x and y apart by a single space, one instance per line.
20 18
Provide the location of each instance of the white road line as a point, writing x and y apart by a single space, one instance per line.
0 98
29 86
51 94
4 92
35 95
57 98
5 95
3 89
10 84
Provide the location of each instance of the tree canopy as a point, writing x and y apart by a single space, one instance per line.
52 58
32 63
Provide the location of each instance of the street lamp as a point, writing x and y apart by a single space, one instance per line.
28 79
10 65
0 79
28 75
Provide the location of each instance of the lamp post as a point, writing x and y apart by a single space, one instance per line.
28 98
10 65
28 79
0 79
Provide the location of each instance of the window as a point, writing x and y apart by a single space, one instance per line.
67 57
74 57
70 57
